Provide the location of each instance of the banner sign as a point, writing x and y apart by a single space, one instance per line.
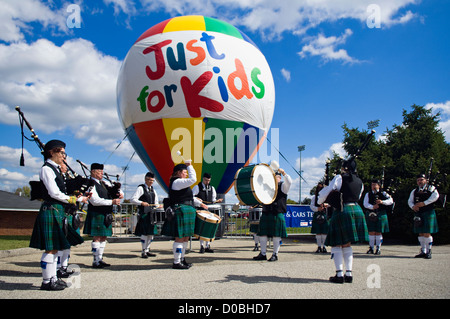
298 216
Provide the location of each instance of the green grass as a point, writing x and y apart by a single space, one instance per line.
13 242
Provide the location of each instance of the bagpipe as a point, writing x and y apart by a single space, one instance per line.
438 180
75 184
114 187
334 198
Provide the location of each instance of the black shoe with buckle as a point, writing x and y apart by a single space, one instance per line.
184 262
420 255
273 258
370 251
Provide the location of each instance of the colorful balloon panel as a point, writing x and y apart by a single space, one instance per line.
185 85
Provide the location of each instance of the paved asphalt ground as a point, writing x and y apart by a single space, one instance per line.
230 274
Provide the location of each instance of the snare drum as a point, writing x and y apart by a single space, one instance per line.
255 215
160 215
206 225
215 209
256 185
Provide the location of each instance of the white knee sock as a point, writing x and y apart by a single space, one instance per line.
177 251
371 240
256 239
428 242
324 237
348 259
336 255
48 266
378 241
148 242
276 245
263 243
101 249
183 253
63 258
95 251
319 240
144 243
422 243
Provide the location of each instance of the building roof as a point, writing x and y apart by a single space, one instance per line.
11 201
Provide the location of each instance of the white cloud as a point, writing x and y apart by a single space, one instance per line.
444 123
286 74
326 48
72 86
16 17
272 18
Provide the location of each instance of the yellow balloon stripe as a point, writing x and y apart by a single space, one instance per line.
186 135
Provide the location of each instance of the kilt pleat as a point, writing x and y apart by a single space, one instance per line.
145 226
183 223
95 225
48 233
429 224
379 226
347 226
272 225
319 228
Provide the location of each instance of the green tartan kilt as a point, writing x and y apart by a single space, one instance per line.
183 223
379 226
429 224
348 226
319 228
145 226
95 225
48 233
254 227
272 225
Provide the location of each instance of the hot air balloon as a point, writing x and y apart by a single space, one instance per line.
200 87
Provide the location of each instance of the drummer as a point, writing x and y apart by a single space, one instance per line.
272 222
145 196
181 200
206 194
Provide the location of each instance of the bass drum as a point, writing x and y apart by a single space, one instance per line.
256 185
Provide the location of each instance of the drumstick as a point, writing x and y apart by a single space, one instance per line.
179 154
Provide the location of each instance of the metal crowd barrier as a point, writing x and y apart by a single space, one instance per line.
235 223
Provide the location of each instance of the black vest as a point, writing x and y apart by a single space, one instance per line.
205 193
351 188
182 196
279 204
423 195
148 197
102 193
378 195
60 182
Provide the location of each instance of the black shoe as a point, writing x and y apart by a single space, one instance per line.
348 279
421 255
273 258
337 280
202 250
324 250
53 285
209 250
260 257
179 266
101 262
97 265
149 254
428 255
184 262
370 251
378 251
63 273
319 250
144 255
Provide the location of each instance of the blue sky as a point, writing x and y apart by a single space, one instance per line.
331 63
